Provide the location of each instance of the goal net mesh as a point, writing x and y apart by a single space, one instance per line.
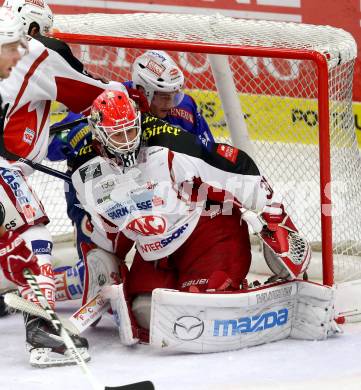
278 93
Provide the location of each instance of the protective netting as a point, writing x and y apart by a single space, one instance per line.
216 29
277 96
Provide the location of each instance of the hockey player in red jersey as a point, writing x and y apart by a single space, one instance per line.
146 181
40 76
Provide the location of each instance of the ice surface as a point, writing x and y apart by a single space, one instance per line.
288 364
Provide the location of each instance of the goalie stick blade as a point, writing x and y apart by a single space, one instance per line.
146 385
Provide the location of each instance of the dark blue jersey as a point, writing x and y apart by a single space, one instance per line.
187 116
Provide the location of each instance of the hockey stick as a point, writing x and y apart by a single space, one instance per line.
76 324
60 329
39 167
55 129
18 303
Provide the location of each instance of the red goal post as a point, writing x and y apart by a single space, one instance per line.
281 91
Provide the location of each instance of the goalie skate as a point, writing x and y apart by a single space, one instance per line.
46 348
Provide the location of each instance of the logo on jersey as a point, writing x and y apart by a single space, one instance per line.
109 184
28 212
155 68
148 225
182 114
157 129
125 210
28 136
157 245
228 152
90 172
85 150
15 182
41 247
47 270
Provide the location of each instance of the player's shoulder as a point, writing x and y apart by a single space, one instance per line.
188 102
156 132
60 47
35 46
52 43
85 154
128 84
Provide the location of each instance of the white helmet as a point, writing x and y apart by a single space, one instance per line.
11 28
31 11
155 70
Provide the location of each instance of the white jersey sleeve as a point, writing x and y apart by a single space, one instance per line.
41 76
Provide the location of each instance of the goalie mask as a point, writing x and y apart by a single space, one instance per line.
33 11
11 30
155 71
116 124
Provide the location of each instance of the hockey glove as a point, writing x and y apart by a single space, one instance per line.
286 252
139 98
66 144
15 257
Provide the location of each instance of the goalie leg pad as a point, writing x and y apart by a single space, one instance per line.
101 269
315 314
126 325
204 323
141 308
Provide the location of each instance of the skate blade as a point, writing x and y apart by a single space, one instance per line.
45 357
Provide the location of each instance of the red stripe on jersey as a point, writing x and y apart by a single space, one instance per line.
170 165
66 93
20 131
30 72
45 117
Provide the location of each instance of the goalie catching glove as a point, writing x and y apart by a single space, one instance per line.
15 257
286 252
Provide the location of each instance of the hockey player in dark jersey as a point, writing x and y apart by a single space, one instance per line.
158 77
146 181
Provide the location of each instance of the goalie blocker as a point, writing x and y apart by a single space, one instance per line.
202 323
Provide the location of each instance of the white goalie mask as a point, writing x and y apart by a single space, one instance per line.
11 29
33 11
155 71
116 124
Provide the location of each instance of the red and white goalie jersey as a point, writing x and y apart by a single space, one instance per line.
158 202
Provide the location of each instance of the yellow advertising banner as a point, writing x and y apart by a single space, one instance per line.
268 118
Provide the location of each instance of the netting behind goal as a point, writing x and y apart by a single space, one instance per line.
280 91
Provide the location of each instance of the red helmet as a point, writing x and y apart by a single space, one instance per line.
115 122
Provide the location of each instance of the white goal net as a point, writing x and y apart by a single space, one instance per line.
281 91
